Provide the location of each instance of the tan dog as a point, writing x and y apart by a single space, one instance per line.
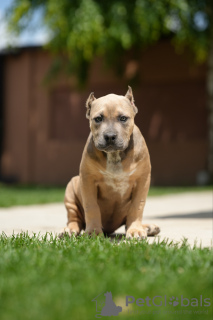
114 178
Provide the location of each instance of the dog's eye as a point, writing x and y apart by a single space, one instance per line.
123 119
98 119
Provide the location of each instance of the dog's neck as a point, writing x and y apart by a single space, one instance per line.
113 157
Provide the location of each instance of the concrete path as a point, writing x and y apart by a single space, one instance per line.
179 216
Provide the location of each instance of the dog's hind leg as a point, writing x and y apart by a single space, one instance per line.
75 215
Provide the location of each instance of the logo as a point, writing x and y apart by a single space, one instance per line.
172 302
106 306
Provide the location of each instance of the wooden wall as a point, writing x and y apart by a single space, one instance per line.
45 128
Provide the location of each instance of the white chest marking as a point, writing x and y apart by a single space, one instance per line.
114 176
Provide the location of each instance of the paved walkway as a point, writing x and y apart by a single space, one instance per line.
179 216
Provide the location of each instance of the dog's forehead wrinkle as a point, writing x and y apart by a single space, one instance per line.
112 103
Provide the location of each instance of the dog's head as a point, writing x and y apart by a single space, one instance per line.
111 120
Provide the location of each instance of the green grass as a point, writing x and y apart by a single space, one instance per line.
52 279
15 195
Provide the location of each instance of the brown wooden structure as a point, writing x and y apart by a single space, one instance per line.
45 129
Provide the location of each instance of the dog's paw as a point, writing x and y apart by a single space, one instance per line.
69 232
152 229
96 231
136 233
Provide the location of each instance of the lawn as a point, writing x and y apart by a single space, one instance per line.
14 195
51 279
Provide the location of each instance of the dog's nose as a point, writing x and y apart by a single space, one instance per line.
110 137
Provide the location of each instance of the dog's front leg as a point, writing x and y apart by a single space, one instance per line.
134 225
91 207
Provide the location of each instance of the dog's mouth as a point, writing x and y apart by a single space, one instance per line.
110 147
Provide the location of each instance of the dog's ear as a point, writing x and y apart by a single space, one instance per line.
129 96
89 103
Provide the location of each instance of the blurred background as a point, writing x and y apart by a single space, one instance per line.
54 53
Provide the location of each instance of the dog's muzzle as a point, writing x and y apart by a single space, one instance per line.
109 142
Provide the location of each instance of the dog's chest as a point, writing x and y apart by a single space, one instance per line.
114 176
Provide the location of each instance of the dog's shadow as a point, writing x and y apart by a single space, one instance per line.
115 236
